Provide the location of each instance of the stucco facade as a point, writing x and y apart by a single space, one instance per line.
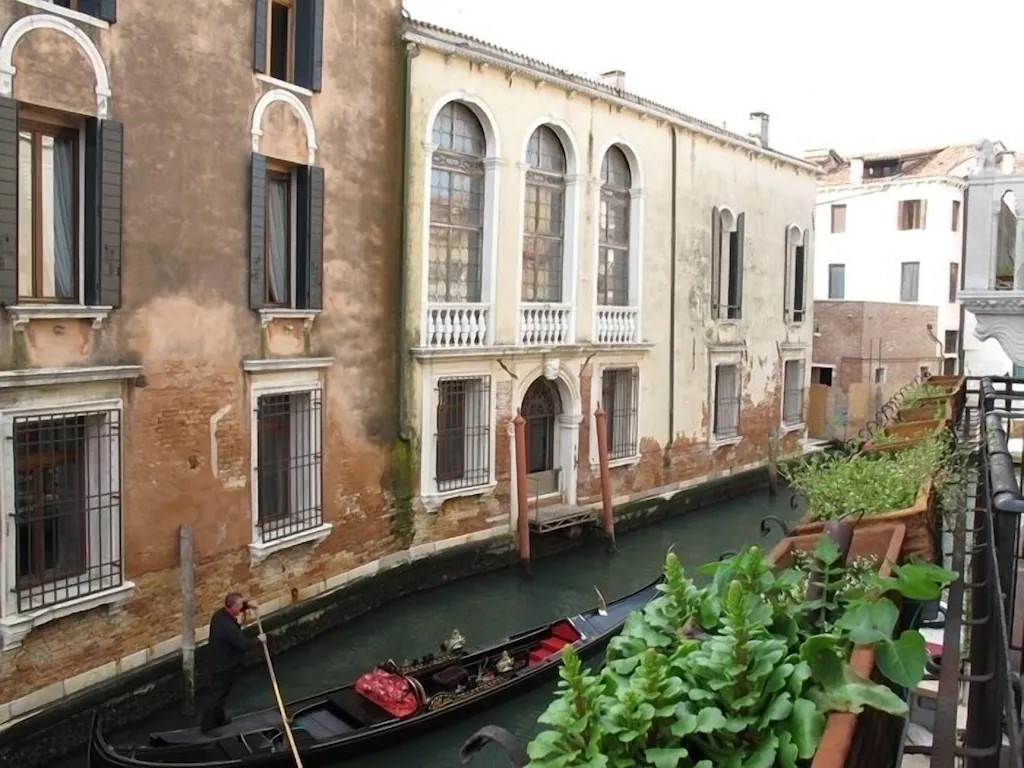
478 318
153 341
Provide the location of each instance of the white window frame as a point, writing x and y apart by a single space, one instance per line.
596 390
636 230
723 357
797 236
431 496
279 377
728 220
493 162
15 626
787 358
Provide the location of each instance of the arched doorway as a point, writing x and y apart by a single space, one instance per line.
542 405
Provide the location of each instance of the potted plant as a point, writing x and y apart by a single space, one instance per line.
928 401
899 436
875 489
760 667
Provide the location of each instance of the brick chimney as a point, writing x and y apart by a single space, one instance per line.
758 130
614 78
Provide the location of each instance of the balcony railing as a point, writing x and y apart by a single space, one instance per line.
618 325
545 324
457 326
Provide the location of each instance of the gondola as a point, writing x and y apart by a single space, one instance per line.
389 704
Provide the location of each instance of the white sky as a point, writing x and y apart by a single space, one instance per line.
868 75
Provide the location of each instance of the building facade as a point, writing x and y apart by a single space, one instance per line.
993 289
199 229
889 228
570 245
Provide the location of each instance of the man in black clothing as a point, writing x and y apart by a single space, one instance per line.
227 646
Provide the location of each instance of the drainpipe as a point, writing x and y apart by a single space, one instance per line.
411 52
672 301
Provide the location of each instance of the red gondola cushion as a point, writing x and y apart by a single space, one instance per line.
565 631
392 693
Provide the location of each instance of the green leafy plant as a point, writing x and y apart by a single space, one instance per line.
842 484
741 672
922 393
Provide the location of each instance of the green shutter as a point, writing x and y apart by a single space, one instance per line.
259 36
736 271
716 260
309 43
101 9
8 201
310 238
257 232
104 174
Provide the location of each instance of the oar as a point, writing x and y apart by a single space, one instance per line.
277 693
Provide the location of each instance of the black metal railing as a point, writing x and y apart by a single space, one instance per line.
67 506
289 469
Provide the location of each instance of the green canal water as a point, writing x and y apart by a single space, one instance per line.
485 609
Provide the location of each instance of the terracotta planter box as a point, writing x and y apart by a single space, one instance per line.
930 409
904 434
918 518
884 542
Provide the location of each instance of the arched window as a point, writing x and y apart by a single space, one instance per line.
544 218
613 236
457 206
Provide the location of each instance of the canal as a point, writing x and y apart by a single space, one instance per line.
485 609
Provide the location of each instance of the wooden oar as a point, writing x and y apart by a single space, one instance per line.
277 693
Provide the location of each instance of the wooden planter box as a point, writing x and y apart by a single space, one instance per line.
918 518
929 409
884 542
905 434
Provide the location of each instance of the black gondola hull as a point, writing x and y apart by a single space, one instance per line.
376 737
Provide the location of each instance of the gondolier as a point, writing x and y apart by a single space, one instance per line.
227 646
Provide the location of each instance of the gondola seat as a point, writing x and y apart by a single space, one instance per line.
562 634
451 677
356 710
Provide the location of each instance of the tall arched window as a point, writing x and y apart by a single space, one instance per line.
544 218
457 206
613 237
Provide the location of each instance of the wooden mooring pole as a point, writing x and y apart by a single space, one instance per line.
607 512
522 501
188 632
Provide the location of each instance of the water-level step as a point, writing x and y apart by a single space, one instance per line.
556 516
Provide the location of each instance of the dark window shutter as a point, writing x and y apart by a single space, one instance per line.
257 232
104 172
8 201
799 283
736 271
787 268
310 238
309 43
101 9
716 260
259 37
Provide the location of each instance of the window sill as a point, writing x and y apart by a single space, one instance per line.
433 501
282 84
22 314
261 550
67 13
624 461
787 428
269 314
715 443
14 629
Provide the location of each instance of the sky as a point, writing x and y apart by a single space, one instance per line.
865 76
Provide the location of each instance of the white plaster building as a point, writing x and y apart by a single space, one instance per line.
889 228
543 213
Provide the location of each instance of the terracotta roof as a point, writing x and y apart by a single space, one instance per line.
470 44
914 163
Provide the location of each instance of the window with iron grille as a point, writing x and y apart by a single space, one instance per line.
544 217
457 206
793 393
909 274
727 402
620 393
67 506
951 342
462 452
613 262
289 463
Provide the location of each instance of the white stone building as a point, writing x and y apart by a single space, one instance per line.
889 228
543 213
